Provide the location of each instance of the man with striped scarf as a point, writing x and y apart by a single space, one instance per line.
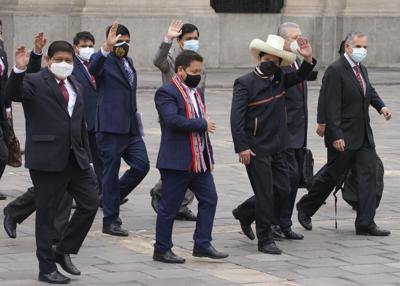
185 159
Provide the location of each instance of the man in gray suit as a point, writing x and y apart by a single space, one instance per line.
187 38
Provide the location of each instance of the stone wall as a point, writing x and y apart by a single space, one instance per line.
224 38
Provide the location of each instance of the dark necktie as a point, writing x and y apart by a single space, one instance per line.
301 84
91 76
128 70
359 79
64 92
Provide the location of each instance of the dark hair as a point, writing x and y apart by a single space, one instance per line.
341 48
83 36
185 58
188 28
60 46
120 30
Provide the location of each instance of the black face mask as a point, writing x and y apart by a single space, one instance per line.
268 68
192 81
122 50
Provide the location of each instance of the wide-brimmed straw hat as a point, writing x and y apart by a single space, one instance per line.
272 46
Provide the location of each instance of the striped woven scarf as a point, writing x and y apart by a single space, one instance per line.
197 143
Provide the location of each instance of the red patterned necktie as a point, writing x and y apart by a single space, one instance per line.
1 71
301 84
91 76
359 79
64 92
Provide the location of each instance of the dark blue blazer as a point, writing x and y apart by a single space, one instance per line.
175 149
297 113
89 93
116 108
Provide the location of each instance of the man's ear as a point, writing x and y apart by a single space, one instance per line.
47 59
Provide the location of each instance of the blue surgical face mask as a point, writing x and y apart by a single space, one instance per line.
191 45
359 54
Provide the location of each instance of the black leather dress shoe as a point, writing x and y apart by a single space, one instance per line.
373 231
66 263
168 257
269 248
244 225
277 232
290 234
114 229
2 197
304 219
10 225
187 215
54 277
118 221
209 252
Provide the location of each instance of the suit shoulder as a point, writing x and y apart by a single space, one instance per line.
169 88
245 78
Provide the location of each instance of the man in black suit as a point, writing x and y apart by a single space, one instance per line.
5 105
348 137
57 154
297 120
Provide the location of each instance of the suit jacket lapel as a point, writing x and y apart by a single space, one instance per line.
52 83
78 92
351 74
83 69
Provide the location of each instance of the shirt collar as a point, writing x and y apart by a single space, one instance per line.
351 62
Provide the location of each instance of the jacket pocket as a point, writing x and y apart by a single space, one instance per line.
255 126
43 138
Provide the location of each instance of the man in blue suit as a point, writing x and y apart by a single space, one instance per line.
84 48
117 124
185 159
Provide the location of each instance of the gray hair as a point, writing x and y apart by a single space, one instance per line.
283 28
351 35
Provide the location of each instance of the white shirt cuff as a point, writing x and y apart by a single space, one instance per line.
8 109
167 40
382 109
104 53
17 70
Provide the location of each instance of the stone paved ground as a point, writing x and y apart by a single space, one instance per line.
326 256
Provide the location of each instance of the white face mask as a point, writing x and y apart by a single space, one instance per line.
294 47
86 53
61 70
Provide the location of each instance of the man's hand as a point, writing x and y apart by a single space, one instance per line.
174 30
21 57
211 126
112 38
245 156
321 129
386 113
40 42
305 49
339 145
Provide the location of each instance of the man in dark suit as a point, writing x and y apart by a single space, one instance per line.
57 154
84 48
260 130
118 125
348 137
185 159
24 205
5 105
297 121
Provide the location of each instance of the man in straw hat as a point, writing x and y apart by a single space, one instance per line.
259 128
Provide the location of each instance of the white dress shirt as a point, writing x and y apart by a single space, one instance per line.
194 101
68 86
3 67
